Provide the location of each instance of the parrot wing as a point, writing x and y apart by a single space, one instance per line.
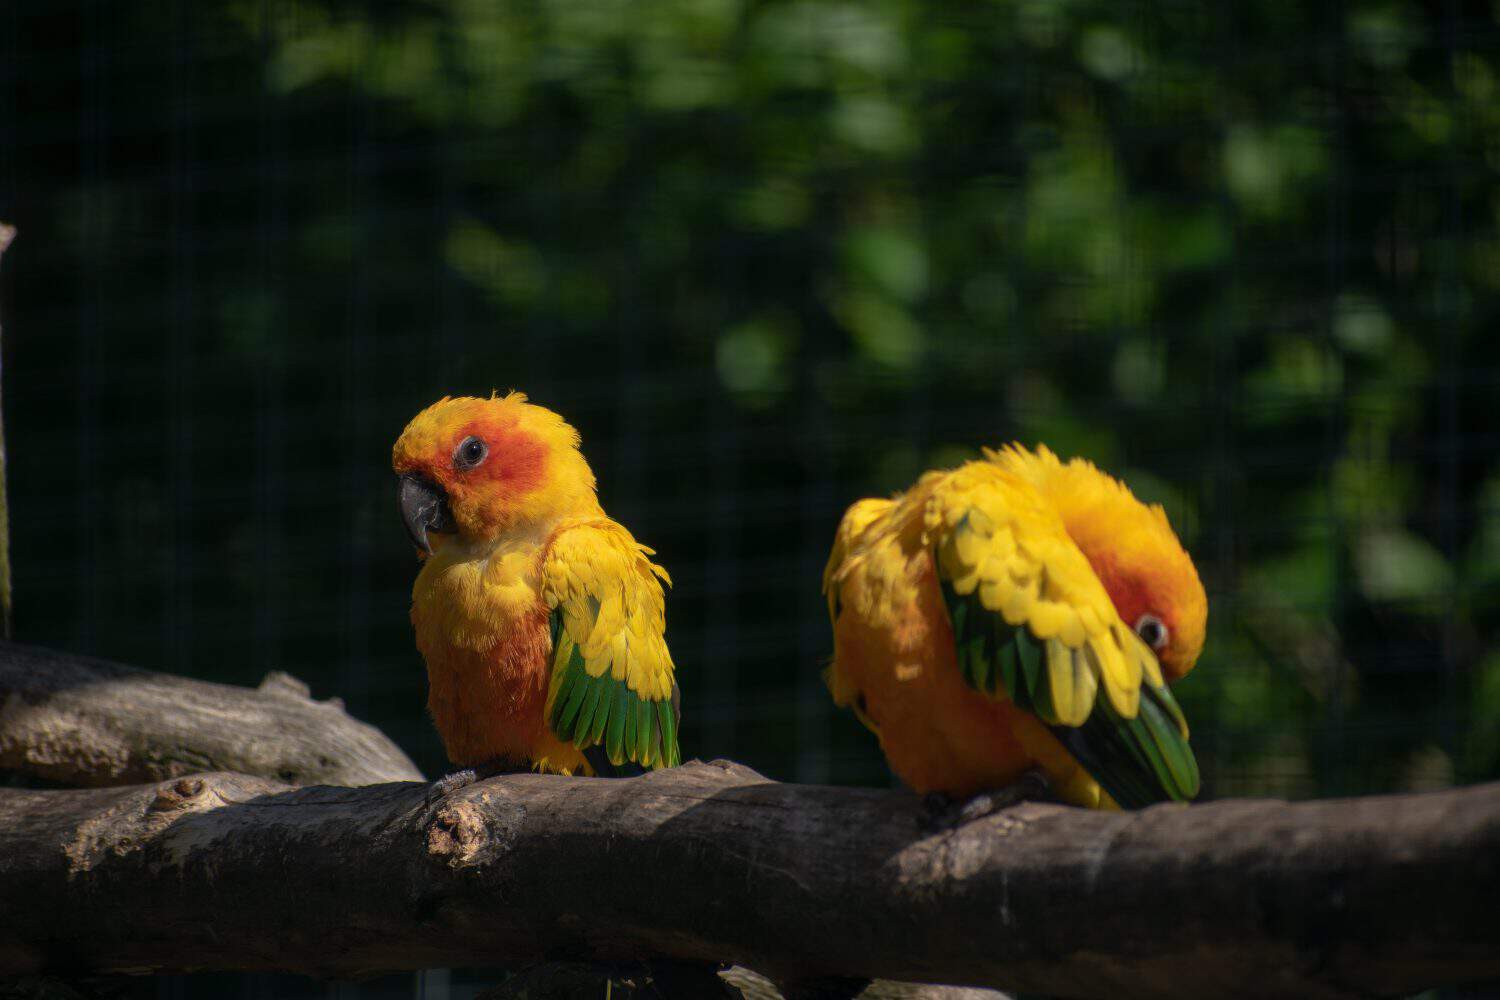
856 519
1032 622
611 683
860 516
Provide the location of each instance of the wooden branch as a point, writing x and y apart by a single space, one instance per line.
556 980
1376 896
81 721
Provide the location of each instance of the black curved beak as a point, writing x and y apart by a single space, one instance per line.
424 508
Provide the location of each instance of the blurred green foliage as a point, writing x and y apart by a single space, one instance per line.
772 257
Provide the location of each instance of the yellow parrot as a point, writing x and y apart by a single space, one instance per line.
540 618
1014 616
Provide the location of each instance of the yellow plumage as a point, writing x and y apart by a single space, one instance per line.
610 594
998 537
541 619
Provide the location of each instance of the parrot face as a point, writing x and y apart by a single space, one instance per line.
481 469
1133 550
1160 597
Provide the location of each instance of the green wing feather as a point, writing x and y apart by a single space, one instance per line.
593 711
1138 760
666 727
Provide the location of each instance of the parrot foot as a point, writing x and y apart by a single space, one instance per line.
945 814
450 783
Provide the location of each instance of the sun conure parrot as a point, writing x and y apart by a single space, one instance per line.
540 618
1018 615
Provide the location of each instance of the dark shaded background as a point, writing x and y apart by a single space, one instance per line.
770 257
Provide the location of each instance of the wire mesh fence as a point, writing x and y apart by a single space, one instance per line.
770 258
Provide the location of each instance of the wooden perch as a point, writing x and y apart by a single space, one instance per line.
1375 896
81 721
77 741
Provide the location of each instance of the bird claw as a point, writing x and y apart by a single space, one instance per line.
945 814
450 783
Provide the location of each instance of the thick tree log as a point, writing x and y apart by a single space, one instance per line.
1377 896
81 721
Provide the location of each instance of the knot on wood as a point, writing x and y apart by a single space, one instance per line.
176 795
132 823
458 833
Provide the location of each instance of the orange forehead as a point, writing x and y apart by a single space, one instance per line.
517 455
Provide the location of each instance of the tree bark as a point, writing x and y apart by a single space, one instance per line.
80 721
1376 896
571 980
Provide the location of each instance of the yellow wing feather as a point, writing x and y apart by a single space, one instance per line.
1004 556
613 608
994 533
860 515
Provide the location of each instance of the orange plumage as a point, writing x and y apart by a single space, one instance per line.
985 623
540 619
489 704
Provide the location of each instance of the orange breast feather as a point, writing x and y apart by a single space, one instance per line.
896 664
938 733
491 704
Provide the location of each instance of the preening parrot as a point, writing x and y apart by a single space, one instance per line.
1017 615
540 618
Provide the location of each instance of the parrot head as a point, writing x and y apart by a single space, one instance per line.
1132 548
481 469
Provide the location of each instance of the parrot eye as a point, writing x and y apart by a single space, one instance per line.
470 452
1153 631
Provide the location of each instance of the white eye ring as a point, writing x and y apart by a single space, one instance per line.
1153 631
470 454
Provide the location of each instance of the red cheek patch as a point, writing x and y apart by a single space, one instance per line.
517 459
1128 594
1131 599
